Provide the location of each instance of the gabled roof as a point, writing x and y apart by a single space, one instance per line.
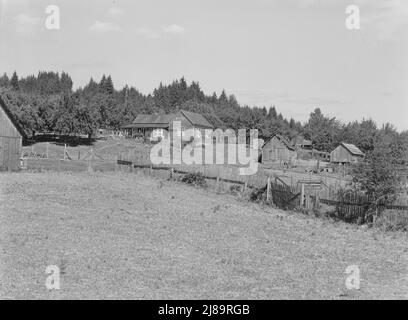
151 121
11 117
163 120
153 118
197 119
282 139
352 149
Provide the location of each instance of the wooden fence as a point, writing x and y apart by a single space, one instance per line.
350 206
68 165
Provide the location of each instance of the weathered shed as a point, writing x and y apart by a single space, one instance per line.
278 150
346 153
11 139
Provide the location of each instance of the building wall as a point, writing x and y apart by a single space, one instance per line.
276 152
342 155
10 144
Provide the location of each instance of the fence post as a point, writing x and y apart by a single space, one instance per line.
65 150
302 195
116 164
131 162
90 161
268 189
317 198
47 146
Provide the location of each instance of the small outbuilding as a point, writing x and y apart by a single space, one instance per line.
278 150
11 139
302 143
346 153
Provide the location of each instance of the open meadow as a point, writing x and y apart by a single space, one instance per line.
124 235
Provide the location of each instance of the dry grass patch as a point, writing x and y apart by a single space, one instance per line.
121 235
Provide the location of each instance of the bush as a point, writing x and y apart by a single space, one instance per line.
195 178
392 220
258 194
235 188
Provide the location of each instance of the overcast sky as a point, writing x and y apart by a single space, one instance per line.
296 54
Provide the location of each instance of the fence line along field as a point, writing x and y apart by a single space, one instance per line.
111 155
121 235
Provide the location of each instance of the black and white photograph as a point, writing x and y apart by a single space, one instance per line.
220 152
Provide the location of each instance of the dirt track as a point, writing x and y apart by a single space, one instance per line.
117 235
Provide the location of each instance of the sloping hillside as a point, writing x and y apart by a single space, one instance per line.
128 236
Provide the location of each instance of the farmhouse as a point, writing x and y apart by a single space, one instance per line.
346 153
11 137
278 150
157 126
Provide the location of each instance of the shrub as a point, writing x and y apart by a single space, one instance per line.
376 175
258 194
392 220
235 188
195 178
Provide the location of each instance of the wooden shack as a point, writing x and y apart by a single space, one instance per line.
277 150
11 139
346 153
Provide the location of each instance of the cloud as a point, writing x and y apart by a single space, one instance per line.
148 33
385 17
173 29
99 26
26 24
115 12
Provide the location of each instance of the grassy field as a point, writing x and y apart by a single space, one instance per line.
118 235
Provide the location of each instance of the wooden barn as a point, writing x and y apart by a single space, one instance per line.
11 139
278 150
346 153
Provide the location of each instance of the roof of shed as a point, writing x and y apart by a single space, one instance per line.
197 119
150 121
283 140
352 149
12 118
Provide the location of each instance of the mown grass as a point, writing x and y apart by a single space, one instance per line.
122 235
392 220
